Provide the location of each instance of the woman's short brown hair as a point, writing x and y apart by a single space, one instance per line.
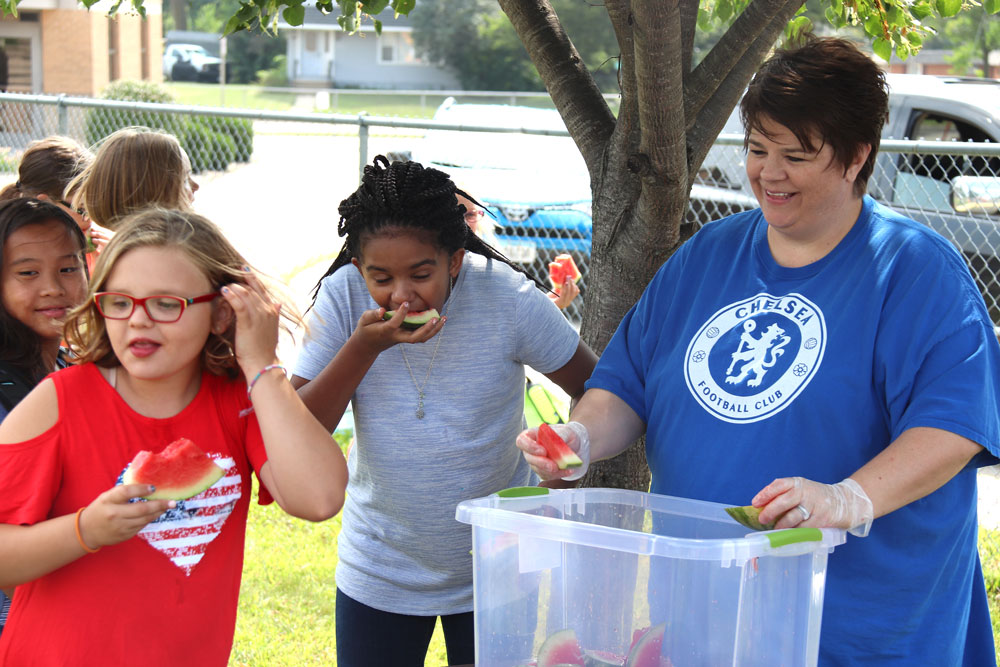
825 87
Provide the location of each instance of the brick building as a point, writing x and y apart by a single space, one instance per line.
58 46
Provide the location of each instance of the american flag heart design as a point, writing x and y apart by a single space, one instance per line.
184 532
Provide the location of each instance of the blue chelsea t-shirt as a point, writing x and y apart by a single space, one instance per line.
745 371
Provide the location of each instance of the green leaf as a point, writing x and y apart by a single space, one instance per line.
873 26
882 48
403 6
704 20
374 7
723 10
915 38
835 19
921 10
948 8
991 6
293 15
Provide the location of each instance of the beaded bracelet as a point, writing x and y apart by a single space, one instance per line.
267 368
79 536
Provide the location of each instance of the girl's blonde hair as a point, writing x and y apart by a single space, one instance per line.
207 248
47 167
135 168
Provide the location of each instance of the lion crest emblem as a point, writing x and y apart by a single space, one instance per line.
756 354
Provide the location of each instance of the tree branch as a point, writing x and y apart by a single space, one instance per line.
704 125
662 158
587 116
689 24
751 36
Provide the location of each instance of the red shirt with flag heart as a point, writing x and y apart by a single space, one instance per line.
167 596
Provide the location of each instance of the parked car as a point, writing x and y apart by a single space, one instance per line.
953 194
190 62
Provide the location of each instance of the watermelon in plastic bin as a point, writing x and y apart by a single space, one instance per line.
647 647
180 471
596 658
561 648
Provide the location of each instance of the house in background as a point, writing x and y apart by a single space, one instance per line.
58 46
932 61
322 55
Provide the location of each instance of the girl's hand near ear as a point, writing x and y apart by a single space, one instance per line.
256 324
378 334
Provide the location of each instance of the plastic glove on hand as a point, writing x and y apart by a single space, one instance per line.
796 501
574 434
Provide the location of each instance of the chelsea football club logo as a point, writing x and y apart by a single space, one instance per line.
752 358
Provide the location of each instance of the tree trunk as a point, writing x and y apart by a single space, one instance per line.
643 161
178 10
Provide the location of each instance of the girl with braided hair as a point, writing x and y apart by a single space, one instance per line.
436 408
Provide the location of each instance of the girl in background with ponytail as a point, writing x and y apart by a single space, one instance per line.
437 408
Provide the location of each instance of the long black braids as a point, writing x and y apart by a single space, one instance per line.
408 195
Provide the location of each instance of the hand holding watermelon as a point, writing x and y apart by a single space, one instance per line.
380 329
111 518
561 269
560 451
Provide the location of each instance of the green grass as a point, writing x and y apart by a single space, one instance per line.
286 610
989 553
350 102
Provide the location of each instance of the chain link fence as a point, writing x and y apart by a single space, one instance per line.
273 180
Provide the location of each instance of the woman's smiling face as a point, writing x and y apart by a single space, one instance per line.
404 266
799 190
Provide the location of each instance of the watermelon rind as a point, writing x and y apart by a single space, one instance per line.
181 458
646 651
414 320
594 658
561 648
748 516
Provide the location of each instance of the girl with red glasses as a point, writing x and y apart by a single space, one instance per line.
177 340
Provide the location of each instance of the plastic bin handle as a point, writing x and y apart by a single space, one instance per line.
780 538
524 492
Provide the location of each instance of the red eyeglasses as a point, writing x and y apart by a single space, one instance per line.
160 307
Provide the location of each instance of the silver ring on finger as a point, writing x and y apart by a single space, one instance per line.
805 513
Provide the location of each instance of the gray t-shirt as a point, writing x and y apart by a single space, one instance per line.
400 547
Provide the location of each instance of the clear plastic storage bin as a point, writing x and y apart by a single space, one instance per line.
611 578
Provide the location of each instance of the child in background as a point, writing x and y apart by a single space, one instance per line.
436 409
135 168
475 217
174 327
41 279
46 169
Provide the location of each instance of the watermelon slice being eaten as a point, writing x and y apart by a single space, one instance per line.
560 268
414 320
180 471
557 449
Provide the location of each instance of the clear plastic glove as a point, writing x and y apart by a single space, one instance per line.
576 437
795 501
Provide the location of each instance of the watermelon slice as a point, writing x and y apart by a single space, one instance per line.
602 659
180 471
647 647
561 648
560 268
557 449
748 516
414 320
